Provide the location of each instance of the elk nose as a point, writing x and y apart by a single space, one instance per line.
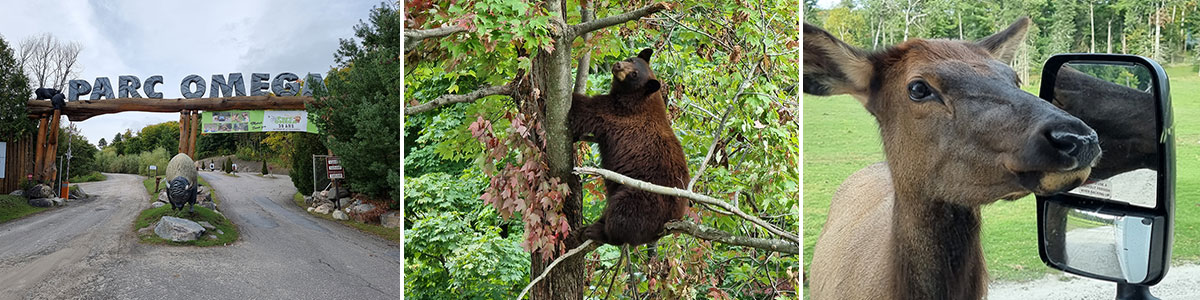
1082 145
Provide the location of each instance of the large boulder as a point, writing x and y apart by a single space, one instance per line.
362 208
340 215
177 229
58 201
78 193
39 191
18 193
181 165
323 209
41 202
391 219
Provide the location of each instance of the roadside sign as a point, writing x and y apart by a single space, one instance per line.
153 167
334 169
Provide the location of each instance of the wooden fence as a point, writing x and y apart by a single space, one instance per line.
18 162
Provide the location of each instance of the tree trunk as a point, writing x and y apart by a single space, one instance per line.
960 31
1157 29
1092 21
552 76
1108 44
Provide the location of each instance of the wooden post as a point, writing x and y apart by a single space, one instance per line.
49 158
38 149
182 131
192 139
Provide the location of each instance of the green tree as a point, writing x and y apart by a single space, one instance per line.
102 143
305 146
83 153
358 112
14 91
719 59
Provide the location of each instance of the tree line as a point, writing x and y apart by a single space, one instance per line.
1163 30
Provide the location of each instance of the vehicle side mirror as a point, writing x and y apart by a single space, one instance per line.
1118 225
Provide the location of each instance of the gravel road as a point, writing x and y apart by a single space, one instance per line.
88 250
1180 283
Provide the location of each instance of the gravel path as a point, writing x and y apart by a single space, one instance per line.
1181 283
88 250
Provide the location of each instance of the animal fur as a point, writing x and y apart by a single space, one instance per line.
634 133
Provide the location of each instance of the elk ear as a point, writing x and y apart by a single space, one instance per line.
832 67
1003 44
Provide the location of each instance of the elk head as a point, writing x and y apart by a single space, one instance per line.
955 124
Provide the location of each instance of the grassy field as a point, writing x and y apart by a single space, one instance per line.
15 207
375 229
840 137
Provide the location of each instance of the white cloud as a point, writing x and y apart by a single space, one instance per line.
175 39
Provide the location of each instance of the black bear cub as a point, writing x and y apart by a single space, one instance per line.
634 133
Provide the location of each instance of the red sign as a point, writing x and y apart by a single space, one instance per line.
335 170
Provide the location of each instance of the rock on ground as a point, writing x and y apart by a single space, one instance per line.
340 215
208 205
206 225
39 191
157 204
58 201
18 193
78 193
41 202
391 219
177 229
323 209
362 208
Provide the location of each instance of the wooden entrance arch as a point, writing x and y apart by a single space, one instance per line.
188 109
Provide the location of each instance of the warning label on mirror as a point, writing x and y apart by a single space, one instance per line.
1095 188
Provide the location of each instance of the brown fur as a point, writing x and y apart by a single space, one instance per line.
909 228
634 133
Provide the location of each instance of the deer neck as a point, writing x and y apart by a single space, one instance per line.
938 254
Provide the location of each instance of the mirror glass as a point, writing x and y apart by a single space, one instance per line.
1098 243
1116 99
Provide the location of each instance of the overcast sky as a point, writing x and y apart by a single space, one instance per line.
178 38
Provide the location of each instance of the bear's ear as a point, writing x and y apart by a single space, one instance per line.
645 54
651 86
832 67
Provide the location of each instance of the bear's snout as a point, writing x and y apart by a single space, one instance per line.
621 69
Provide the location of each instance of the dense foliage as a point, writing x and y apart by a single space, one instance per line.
729 72
14 91
304 146
359 111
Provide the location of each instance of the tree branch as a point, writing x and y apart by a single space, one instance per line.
413 37
670 191
585 27
713 234
451 99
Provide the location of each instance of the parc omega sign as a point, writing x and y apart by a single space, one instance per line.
193 86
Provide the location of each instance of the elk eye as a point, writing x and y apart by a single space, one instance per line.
920 91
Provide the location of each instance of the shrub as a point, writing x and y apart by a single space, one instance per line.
304 146
228 166
264 167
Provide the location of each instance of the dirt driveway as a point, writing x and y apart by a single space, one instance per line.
88 250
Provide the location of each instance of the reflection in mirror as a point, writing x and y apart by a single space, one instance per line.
1115 99
1112 246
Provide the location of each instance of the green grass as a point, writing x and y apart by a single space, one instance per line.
15 207
391 234
89 177
840 137
151 215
